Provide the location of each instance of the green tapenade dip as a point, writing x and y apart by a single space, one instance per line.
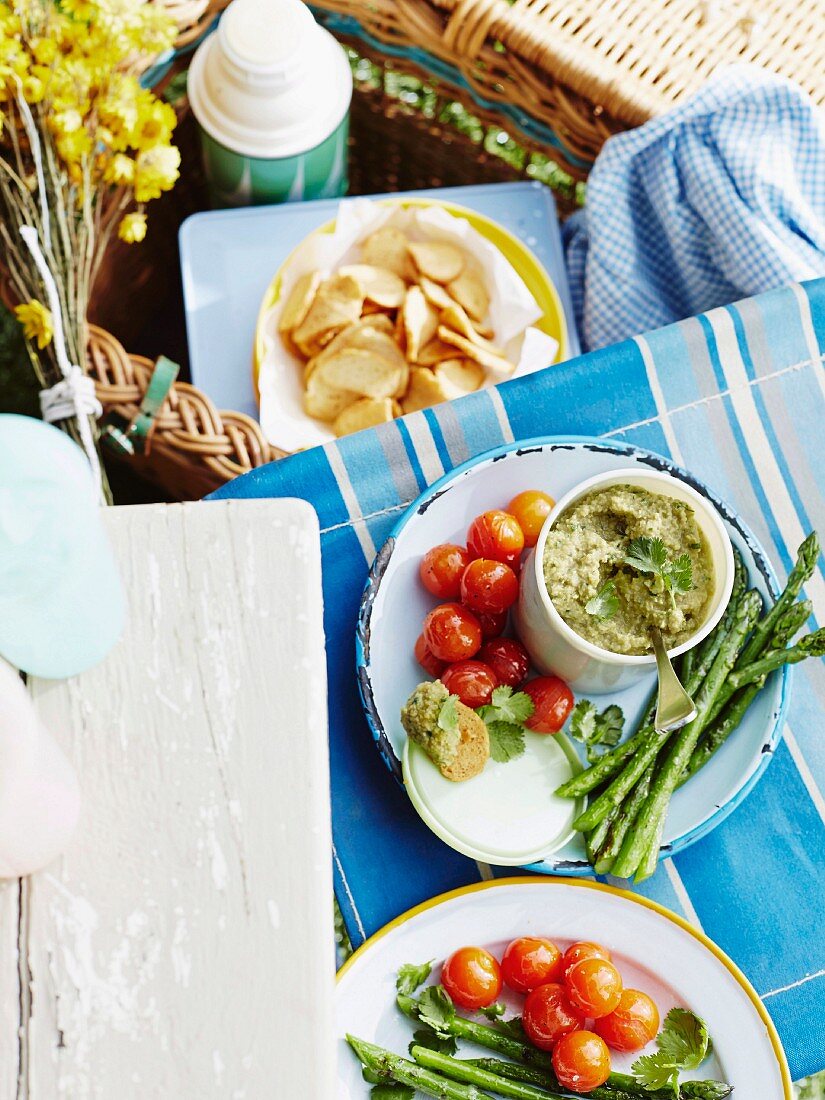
586 549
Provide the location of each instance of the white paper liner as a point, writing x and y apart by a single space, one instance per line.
513 309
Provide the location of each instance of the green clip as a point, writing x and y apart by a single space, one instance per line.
132 438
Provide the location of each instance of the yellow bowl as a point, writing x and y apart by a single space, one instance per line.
525 264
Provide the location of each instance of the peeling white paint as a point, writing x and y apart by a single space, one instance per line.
181 958
217 1066
156 945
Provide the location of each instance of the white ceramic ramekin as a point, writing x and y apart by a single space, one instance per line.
556 648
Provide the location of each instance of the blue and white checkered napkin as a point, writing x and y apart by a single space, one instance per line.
721 198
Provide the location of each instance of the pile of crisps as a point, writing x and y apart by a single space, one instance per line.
400 331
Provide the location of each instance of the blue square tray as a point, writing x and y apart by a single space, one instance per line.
228 259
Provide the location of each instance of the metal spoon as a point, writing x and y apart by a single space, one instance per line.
674 707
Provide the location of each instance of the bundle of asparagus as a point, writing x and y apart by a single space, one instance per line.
528 1076
633 783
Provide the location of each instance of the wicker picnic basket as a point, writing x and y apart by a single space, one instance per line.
558 75
193 17
585 69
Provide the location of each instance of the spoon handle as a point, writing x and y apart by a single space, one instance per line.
674 706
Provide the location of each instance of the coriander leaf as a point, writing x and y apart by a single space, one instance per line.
493 1012
605 603
410 977
436 1010
647 555
510 706
425 1037
392 1092
683 1039
679 574
512 1027
656 1071
506 740
583 721
504 716
448 715
593 729
611 725
650 556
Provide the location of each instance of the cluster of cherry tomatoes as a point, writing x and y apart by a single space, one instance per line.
461 643
565 991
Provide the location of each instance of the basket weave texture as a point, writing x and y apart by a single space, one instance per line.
194 447
589 68
193 17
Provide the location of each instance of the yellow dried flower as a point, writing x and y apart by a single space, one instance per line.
44 50
33 90
67 122
156 172
120 169
132 228
156 121
82 10
36 321
118 108
74 61
74 146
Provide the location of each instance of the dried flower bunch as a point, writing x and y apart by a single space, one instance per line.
83 148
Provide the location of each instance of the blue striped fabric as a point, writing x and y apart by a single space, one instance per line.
737 396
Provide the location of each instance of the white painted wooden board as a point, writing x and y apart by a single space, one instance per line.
10 1006
183 947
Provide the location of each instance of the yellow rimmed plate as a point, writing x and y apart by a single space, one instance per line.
655 950
523 261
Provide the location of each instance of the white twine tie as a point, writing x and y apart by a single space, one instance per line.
74 395
37 155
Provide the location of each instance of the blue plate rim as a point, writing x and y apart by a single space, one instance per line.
596 443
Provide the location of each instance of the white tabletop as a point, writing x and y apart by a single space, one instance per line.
183 946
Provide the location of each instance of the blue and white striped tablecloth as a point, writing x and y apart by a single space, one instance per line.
738 397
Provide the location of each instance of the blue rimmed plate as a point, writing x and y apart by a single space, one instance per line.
509 815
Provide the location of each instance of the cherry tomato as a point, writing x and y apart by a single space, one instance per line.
427 659
507 658
583 950
549 1014
441 568
552 700
594 986
495 535
531 508
529 962
472 681
452 632
491 625
488 586
472 977
632 1025
581 1061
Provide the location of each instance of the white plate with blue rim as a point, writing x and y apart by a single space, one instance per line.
654 949
509 814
